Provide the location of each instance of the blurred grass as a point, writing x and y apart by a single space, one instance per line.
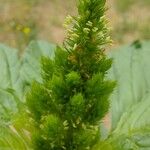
24 20
134 20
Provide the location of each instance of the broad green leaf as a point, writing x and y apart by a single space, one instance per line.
9 82
131 70
130 102
9 67
17 74
133 129
31 68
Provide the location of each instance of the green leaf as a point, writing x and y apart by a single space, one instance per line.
11 139
8 105
131 100
17 73
9 66
133 130
31 60
131 70
10 82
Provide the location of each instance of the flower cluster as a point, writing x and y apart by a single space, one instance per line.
73 98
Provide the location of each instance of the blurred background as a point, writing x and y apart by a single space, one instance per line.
24 20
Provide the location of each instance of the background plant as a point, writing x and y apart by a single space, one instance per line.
127 17
130 24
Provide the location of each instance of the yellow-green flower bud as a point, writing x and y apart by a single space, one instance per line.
74 125
75 35
65 123
66 128
75 46
108 39
89 23
95 29
86 30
